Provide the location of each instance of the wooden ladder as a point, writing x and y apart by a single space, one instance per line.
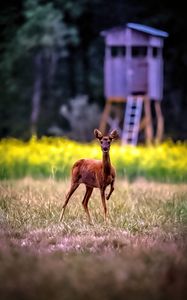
132 120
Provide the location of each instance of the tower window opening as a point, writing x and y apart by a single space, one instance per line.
117 51
139 51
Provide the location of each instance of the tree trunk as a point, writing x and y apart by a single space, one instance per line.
50 70
71 66
86 72
37 90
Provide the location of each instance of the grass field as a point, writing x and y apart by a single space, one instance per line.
140 253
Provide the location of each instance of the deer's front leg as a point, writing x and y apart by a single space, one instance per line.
111 190
104 202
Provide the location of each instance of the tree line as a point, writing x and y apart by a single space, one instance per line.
51 52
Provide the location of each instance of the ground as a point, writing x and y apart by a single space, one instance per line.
140 253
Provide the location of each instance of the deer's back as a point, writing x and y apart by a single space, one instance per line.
90 172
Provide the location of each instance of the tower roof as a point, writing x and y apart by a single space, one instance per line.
147 29
139 27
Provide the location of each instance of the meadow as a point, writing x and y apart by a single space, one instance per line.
140 253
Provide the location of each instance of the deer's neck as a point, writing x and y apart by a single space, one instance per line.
106 164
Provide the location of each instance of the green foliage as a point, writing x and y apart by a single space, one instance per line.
43 28
43 31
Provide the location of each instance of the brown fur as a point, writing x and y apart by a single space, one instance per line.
94 174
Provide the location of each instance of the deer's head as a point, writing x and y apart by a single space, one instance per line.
105 141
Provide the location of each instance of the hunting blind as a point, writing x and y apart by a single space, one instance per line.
133 77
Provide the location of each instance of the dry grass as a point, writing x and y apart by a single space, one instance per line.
139 254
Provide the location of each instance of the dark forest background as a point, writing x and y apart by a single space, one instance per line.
51 63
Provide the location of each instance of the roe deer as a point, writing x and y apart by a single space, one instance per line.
94 174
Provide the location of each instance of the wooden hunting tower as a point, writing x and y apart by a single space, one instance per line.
133 74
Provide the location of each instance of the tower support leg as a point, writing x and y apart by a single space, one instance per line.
160 122
149 126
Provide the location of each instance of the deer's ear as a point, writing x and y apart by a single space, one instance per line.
114 135
98 134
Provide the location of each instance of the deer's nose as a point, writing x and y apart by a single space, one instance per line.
105 148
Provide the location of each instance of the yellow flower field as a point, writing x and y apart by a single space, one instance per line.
53 157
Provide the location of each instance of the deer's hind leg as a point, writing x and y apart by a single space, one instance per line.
86 198
73 187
